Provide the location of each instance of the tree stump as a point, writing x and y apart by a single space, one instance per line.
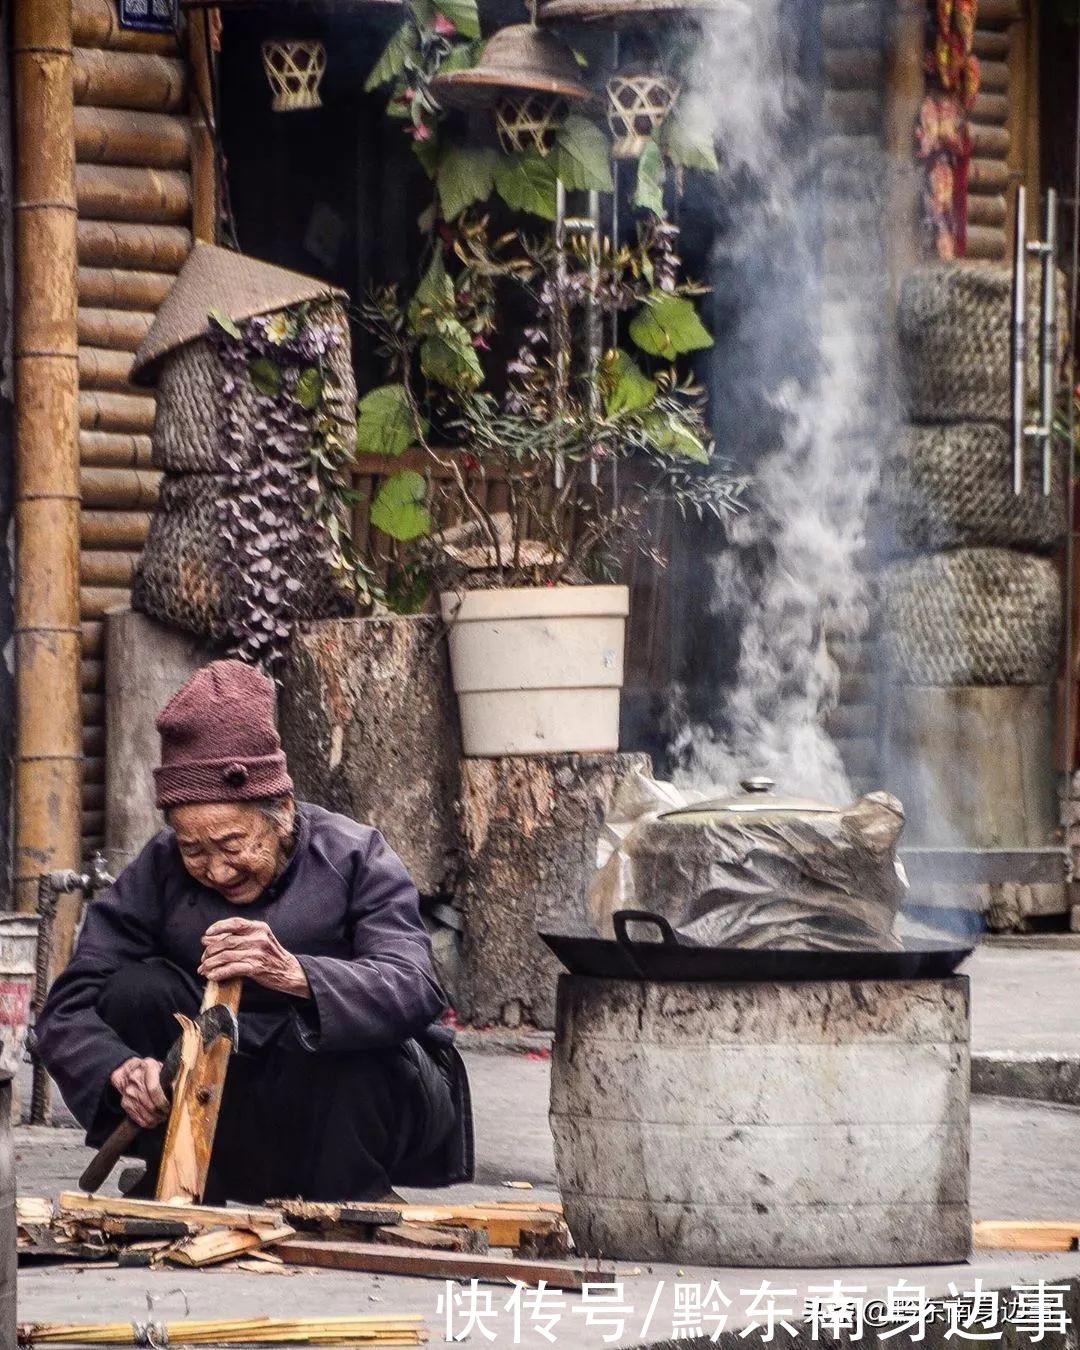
530 826
370 727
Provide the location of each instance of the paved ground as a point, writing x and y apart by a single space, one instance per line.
1022 1167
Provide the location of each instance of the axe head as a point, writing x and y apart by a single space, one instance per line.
219 1020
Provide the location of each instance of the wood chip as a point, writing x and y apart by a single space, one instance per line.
1016 1235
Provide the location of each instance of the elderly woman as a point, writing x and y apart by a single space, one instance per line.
345 1081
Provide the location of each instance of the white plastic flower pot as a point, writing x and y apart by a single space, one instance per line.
538 671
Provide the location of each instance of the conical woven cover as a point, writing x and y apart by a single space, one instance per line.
620 13
520 58
217 278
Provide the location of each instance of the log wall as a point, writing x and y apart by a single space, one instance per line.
133 147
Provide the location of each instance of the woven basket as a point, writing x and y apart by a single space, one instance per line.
974 616
191 405
955 340
953 485
184 576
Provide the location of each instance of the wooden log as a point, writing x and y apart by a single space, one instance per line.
78 1206
107 569
94 603
222 1244
998 13
119 329
93 770
153 196
853 67
905 84
987 211
93 709
112 288
114 450
987 243
990 45
93 737
992 108
530 829
994 75
93 824
121 136
113 529
456 1239
369 724
988 175
851 25
853 111
93 797
101 368
848 720
154 248
136 80
116 412
93 677
989 142
95 24
125 489
377 1258
189 1140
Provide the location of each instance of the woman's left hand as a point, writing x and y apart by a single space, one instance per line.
247 949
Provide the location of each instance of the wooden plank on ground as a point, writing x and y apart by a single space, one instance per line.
79 1206
1016 1235
449 1239
222 1244
377 1258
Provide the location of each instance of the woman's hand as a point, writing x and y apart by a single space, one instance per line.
138 1082
247 949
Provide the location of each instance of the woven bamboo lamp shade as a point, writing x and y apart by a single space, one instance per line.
635 13
517 62
295 70
294 6
638 104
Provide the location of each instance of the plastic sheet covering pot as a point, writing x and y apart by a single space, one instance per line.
185 575
952 485
955 341
974 616
761 873
18 950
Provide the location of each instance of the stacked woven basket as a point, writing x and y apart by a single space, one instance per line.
973 598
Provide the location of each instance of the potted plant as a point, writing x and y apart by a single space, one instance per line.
503 371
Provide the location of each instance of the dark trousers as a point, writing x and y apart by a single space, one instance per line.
292 1123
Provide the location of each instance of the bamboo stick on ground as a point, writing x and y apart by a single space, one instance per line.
407 1329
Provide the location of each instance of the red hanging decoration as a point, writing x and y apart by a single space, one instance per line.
942 138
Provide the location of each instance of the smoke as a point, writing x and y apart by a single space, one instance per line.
798 382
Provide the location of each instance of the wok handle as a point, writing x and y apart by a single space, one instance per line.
622 917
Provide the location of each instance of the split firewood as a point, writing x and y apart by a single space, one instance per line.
76 1206
222 1244
1016 1235
449 1239
323 1215
544 1244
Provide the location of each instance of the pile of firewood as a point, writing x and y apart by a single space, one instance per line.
526 1242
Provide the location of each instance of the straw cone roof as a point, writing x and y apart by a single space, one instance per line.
217 278
617 13
517 59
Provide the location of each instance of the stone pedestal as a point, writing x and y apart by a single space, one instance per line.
145 665
530 827
370 728
814 1124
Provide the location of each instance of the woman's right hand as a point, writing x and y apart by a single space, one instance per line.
138 1082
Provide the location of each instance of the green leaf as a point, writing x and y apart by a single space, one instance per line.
649 192
398 509
689 146
670 436
309 388
463 14
427 152
265 376
384 424
582 157
224 322
462 56
434 297
527 183
427 219
394 56
629 388
668 325
450 359
464 176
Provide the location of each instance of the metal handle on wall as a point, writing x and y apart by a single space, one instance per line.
1042 430
1019 339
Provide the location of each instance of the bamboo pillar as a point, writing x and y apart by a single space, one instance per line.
47 633
905 85
203 161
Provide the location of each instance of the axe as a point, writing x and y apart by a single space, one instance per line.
217 1031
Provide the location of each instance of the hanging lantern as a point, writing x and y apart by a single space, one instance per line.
638 104
295 71
636 13
528 76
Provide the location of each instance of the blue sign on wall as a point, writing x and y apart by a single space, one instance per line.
150 16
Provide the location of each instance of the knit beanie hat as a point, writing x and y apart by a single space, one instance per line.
218 739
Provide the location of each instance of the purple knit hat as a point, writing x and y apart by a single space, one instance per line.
218 739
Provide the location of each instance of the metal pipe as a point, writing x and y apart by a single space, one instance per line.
1048 365
47 632
594 323
559 352
1069 449
1019 341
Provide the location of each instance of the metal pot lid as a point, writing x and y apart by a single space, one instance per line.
759 799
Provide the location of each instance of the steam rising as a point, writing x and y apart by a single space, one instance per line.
801 200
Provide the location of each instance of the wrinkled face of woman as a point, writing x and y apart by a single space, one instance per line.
232 847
